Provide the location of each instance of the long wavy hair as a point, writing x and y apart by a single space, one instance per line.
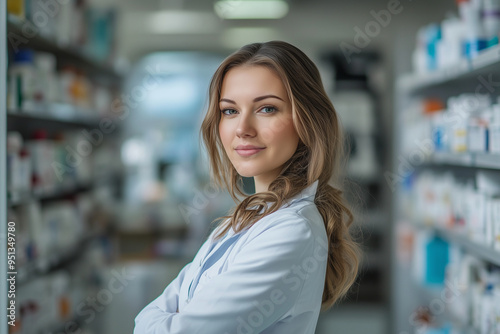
320 155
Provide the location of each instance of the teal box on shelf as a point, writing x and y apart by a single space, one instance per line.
433 34
436 258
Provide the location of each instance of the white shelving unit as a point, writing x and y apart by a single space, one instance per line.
484 63
474 248
407 294
52 118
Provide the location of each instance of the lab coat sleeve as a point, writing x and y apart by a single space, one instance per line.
257 289
168 301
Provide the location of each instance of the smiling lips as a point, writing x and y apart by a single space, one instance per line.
248 150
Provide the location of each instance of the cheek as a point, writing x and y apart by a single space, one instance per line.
272 130
221 131
285 134
223 134
290 139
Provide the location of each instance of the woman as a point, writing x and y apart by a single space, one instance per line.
285 252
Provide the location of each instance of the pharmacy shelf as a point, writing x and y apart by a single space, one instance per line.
453 159
477 160
483 160
426 294
430 293
19 198
486 61
70 189
481 251
55 114
460 327
17 28
471 160
489 254
463 77
486 253
57 260
61 118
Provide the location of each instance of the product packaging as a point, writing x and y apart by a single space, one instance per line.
22 82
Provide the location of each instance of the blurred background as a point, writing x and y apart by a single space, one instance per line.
106 192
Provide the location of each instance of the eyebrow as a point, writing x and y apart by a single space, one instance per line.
257 99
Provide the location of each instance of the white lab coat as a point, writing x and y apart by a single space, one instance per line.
268 278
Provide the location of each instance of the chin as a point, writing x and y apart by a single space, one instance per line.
246 174
244 170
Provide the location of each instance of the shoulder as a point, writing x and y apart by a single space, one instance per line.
304 216
300 224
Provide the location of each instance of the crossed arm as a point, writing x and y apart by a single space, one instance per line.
256 282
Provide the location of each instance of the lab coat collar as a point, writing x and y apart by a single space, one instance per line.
307 194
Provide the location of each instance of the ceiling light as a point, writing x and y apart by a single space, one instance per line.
251 9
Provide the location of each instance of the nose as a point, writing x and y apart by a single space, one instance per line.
245 127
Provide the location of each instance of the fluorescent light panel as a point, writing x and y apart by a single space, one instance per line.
251 9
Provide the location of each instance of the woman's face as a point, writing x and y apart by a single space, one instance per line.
256 112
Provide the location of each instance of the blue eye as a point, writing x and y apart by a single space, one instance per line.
272 109
224 111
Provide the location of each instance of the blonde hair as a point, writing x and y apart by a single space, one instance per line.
319 156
